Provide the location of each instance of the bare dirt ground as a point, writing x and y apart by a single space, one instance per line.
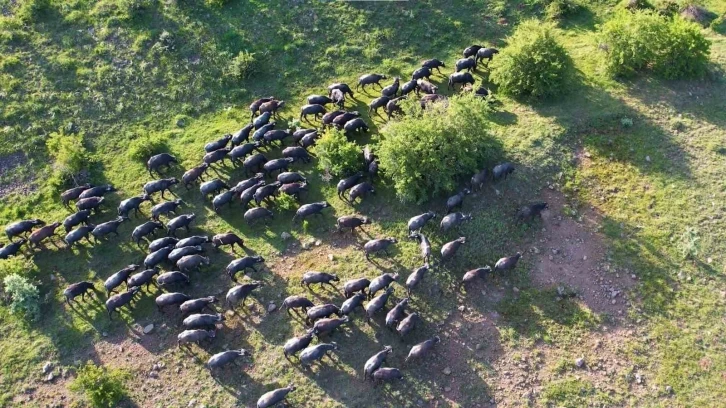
571 255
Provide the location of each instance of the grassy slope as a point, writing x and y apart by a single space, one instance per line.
112 82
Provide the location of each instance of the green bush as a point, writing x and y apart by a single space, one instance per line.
556 10
244 65
25 299
31 10
102 387
143 147
533 63
69 155
286 202
644 40
426 154
336 155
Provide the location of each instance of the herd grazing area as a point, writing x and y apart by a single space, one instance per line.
618 300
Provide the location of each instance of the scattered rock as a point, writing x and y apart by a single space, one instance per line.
639 378
192 403
271 307
148 328
647 158
47 367
515 289
331 257
447 371
479 346
462 308
669 389
535 250
580 362
318 242
285 236
681 275
50 377
104 334
447 389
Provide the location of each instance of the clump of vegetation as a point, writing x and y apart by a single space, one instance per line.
626 122
336 154
556 10
643 40
143 147
533 63
69 155
102 387
633 5
25 299
216 3
690 244
244 65
31 10
426 154
286 202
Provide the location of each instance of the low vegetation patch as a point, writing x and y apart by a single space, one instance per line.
533 63
426 154
69 155
102 387
646 41
143 147
24 296
336 155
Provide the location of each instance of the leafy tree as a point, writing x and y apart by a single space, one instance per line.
533 63
337 155
426 153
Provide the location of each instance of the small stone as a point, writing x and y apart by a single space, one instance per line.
285 236
639 378
153 374
479 346
331 257
632 276
50 377
104 334
614 301
47 367
462 308
447 371
584 258
271 307
447 389
52 277
681 275
515 289
552 257
647 158
318 242
669 389
192 403
535 250
580 362
148 328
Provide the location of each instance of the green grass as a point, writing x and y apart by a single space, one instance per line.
108 68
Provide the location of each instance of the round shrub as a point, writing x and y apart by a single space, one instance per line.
336 155
24 296
102 387
69 155
427 154
533 63
243 66
643 40
143 147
